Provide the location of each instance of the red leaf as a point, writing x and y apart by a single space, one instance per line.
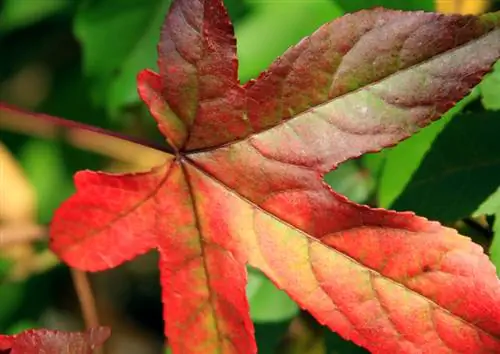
246 185
54 342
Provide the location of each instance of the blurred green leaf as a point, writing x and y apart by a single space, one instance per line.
495 245
460 171
21 325
20 13
12 296
352 181
491 205
268 303
237 9
287 21
44 166
337 345
5 266
403 160
270 335
119 38
490 89
355 5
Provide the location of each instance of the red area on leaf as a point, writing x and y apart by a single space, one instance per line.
246 184
45 341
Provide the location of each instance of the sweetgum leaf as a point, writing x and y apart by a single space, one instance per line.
459 172
245 185
54 342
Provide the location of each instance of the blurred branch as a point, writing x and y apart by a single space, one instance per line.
86 137
12 234
86 299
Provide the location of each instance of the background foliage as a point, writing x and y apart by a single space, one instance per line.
79 58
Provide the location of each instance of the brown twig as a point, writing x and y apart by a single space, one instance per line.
87 301
82 136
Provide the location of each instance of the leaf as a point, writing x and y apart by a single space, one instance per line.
245 184
54 342
401 162
268 304
335 345
352 181
355 5
16 14
257 49
495 245
113 64
491 205
490 89
460 171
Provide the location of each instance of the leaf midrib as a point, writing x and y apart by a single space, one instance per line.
203 258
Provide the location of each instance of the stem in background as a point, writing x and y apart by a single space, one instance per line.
14 234
87 301
473 224
77 134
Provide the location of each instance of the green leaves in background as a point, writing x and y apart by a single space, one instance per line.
19 13
268 303
490 89
460 171
119 38
408 5
491 206
44 166
271 310
337 345
352 181
399 163
495 245
287 21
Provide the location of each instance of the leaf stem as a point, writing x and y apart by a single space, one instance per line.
46 126
87 301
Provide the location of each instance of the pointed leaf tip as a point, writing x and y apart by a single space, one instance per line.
150 90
